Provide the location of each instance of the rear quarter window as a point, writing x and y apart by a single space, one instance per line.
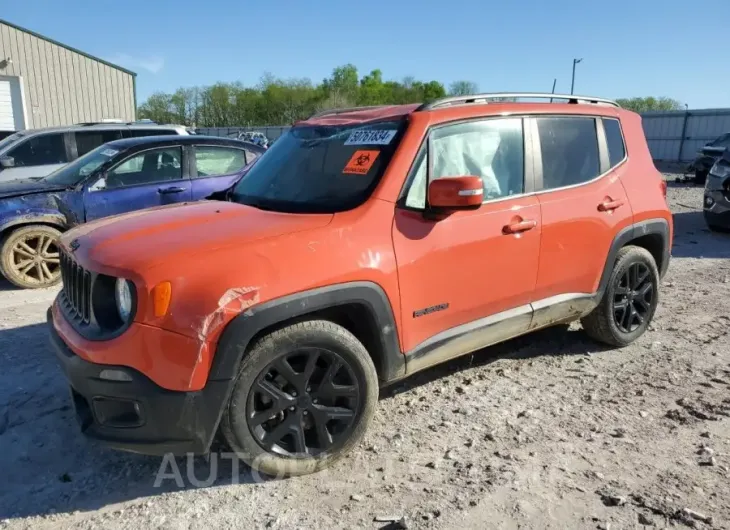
614 140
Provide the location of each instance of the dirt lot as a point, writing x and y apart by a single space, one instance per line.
547 431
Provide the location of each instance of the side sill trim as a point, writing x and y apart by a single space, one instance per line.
499 327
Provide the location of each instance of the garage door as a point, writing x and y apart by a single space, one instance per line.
7 121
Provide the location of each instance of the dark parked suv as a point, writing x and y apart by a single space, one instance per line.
115 178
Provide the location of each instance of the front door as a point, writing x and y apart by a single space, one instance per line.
154 177
583 203
455 271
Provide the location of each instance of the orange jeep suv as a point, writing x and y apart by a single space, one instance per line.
365 245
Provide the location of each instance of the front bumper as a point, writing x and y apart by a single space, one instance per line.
136 414
716 208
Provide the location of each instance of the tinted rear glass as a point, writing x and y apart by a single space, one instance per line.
615 141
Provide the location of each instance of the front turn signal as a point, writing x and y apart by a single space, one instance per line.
161 295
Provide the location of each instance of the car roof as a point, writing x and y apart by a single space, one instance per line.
167 139
100 127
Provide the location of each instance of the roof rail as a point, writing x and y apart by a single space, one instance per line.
342 110
485 98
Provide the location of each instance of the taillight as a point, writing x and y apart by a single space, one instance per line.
664 188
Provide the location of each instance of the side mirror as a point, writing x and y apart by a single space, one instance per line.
456 193
7 162
99 185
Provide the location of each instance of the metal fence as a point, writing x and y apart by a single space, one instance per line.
672 135
271 132
678 135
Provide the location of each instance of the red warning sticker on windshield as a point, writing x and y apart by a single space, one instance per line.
361 162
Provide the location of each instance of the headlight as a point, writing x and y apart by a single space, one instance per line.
720 170
123 296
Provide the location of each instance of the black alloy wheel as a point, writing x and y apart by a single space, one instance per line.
633 297
304 404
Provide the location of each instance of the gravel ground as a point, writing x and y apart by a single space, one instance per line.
546 431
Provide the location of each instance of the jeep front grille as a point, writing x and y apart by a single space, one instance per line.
76 289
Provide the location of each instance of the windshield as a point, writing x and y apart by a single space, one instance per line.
320 168
73 173
9 140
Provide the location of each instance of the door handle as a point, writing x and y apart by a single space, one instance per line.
173 189
520 226
609 206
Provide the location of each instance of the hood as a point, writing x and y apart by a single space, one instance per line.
712 151
14 188
140 240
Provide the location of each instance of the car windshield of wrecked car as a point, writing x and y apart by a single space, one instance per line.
320 168
73 173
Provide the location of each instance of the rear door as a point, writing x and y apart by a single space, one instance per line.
583 203
145 179
215 168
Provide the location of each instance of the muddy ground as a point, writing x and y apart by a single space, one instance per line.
547 431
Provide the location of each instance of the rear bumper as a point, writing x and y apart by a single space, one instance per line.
136 414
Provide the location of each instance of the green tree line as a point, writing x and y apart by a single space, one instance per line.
276 101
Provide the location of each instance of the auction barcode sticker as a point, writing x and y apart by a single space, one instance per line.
370 137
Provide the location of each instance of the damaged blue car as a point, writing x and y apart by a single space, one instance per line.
115 178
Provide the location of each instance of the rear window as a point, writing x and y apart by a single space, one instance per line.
318 169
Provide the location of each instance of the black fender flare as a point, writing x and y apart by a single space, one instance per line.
238 334
658 227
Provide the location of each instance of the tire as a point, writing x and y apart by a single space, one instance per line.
45 270
330 341
601 324
700 176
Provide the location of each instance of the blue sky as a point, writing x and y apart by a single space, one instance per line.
629 48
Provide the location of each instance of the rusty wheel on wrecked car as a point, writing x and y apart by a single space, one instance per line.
304 397
29 257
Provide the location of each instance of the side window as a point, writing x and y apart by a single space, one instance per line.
89 140
569 149
615 141
155 165
39 150
491 149
213 161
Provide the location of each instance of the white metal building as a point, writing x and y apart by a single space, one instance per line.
44 83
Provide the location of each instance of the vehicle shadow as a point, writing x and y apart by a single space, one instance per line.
560 340
692 238
52 468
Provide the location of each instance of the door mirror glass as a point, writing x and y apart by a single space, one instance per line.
7 162
99 185
456 193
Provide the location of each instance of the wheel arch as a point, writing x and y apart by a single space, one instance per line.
361 307
54 221
652 235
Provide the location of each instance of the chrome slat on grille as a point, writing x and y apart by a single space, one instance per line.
76 288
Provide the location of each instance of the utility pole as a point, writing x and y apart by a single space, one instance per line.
572 82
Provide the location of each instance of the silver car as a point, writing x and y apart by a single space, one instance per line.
40 152
716 204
